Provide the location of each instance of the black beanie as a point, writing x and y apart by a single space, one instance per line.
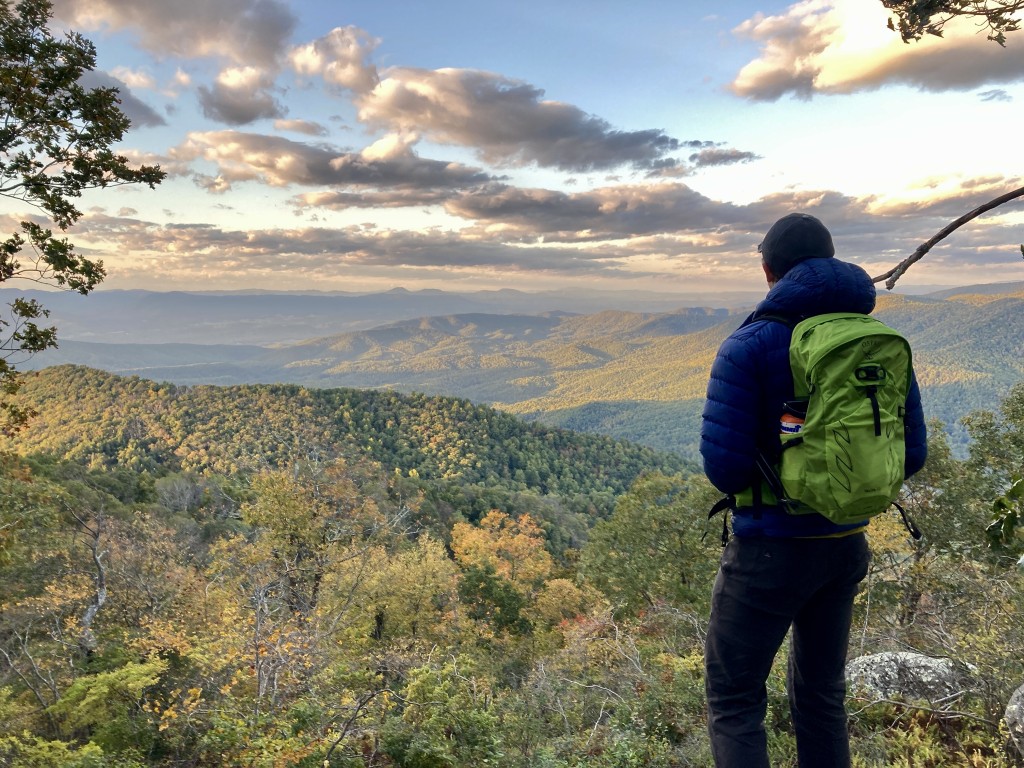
793 239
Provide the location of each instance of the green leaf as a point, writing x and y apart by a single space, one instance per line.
55 143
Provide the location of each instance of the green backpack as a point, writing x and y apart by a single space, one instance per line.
852 373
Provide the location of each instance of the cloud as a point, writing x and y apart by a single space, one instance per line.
706 240
308 127
609 212
140 113
997 94
134 78
508 122
950 198
241 95
340 57
719 156
172 166
391 198
242 31
672 218
333 254
845 46
274 160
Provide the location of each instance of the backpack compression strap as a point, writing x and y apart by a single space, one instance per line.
723 505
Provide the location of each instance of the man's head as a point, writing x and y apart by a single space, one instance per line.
792 239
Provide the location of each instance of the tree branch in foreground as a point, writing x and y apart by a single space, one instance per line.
897 272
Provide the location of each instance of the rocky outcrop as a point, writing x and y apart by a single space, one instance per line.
1015 718
907 676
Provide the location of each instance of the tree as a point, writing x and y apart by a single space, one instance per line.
56 139
649 551
917 18
315 517
997 459
511 549
447 720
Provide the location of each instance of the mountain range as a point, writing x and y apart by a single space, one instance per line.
633 375
243 317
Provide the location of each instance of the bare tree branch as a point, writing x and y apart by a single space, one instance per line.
362 702
87 637
897 272
917 18
939 711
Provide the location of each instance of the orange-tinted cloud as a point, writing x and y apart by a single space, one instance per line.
845 46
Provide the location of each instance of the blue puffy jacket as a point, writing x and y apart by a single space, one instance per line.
751 378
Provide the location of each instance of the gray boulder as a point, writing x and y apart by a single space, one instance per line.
905 675
1015 718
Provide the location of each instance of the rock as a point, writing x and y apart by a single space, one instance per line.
1015 718
906 675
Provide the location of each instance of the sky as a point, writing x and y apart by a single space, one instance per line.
457 145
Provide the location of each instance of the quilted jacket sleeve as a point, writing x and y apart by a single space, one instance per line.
915 432
728 439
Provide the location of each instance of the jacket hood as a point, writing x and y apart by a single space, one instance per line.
819 286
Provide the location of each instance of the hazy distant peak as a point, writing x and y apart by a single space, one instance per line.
1007 288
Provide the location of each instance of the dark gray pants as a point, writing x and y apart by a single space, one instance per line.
764 587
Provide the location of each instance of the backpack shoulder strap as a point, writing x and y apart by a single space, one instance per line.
787 320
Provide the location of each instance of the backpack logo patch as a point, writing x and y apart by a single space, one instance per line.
869 347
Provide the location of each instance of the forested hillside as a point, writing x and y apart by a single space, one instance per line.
275 576
104 420
637 376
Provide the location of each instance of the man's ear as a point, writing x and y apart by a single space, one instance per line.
769 275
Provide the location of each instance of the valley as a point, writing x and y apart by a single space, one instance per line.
629 374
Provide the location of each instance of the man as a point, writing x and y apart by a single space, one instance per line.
782 571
